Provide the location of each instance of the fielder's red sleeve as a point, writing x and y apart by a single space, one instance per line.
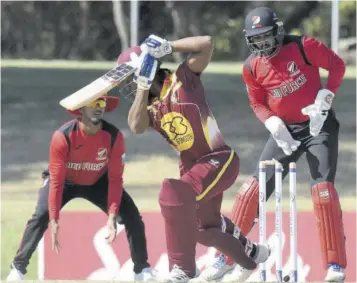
57 169
318 54
257 97
115 174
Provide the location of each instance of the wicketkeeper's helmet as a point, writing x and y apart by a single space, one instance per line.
259 21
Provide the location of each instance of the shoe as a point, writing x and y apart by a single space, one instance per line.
177 275
145 275
335 273
220 266
262 253
241 274
15 275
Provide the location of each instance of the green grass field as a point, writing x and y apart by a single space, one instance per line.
30 112
213 68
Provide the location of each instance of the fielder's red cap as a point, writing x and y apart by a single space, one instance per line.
112 103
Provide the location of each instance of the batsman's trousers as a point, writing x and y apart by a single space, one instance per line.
210 176
191 207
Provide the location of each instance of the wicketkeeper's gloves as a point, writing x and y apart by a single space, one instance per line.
282 136
319 110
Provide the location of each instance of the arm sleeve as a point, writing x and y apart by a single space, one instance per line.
115 174
319 55
57 169
188 78
257 97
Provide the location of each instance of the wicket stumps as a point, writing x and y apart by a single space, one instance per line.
278 216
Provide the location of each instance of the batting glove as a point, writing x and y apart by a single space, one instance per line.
146 71
282 136
156 46
319 110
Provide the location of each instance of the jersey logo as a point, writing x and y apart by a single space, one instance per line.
290 87
293 69
214 162
86 166
178 130
102 154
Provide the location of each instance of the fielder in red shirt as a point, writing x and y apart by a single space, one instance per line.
175 106
86 160
286 94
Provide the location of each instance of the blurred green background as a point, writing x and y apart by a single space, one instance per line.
98 30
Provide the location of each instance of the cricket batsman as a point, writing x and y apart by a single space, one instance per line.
175 106
286 94
86 160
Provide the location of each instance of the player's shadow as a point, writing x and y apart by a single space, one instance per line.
30 114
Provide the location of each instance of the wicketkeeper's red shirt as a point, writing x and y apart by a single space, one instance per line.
82 159
287 82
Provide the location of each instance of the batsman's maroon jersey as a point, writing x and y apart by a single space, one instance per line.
183 117
82 159
287 82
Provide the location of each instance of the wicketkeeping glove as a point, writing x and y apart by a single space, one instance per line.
319 110
282 136
146 70
156 46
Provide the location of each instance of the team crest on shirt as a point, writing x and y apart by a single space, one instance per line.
178 130
102 154
293 69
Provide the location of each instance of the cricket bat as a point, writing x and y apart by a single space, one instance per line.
99 87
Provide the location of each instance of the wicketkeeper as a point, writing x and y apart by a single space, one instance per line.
86 160
286 94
